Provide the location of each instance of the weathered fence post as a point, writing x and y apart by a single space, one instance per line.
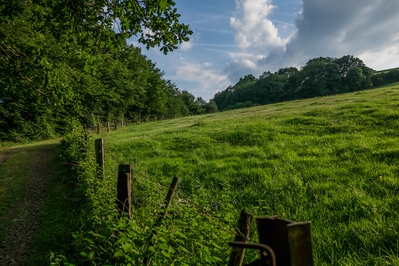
99 146
162 215
280 233
98 128
243 229
108 126
124 189
300 242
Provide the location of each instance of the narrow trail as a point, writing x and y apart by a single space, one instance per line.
24 217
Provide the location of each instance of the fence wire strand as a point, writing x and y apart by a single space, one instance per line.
181 196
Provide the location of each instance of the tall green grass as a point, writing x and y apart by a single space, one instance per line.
331 160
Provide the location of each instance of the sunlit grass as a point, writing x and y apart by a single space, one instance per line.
331 160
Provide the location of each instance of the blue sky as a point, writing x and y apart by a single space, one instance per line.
234 38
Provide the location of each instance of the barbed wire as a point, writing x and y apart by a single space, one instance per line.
196 207
181 196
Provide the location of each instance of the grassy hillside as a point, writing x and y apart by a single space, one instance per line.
331 160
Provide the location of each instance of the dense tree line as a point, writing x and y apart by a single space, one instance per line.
319 77
66 62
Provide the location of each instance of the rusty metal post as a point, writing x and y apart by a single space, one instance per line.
124 189
243 230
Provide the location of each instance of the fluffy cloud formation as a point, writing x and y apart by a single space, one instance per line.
255 35
336 28
253 28
368 29
203 77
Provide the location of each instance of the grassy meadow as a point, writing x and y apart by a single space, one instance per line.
332 160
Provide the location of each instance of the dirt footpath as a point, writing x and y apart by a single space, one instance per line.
24 217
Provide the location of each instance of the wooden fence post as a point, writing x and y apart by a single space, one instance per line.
290 241
98 128
124 189
244 227
99 146
300 243
162 215
108 126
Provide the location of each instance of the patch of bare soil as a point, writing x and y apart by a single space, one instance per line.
25 215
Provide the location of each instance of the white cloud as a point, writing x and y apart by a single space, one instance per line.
368 29
243 63
253 28
255 32
204 76
380 60
185 46
336 28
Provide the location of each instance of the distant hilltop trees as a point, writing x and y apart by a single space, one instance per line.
319 77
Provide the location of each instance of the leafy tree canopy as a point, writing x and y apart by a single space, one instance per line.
64 61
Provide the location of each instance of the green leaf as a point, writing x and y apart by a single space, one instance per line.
121 240
127 247
119 253
184 249
163 246
165 254
84 254
181 235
